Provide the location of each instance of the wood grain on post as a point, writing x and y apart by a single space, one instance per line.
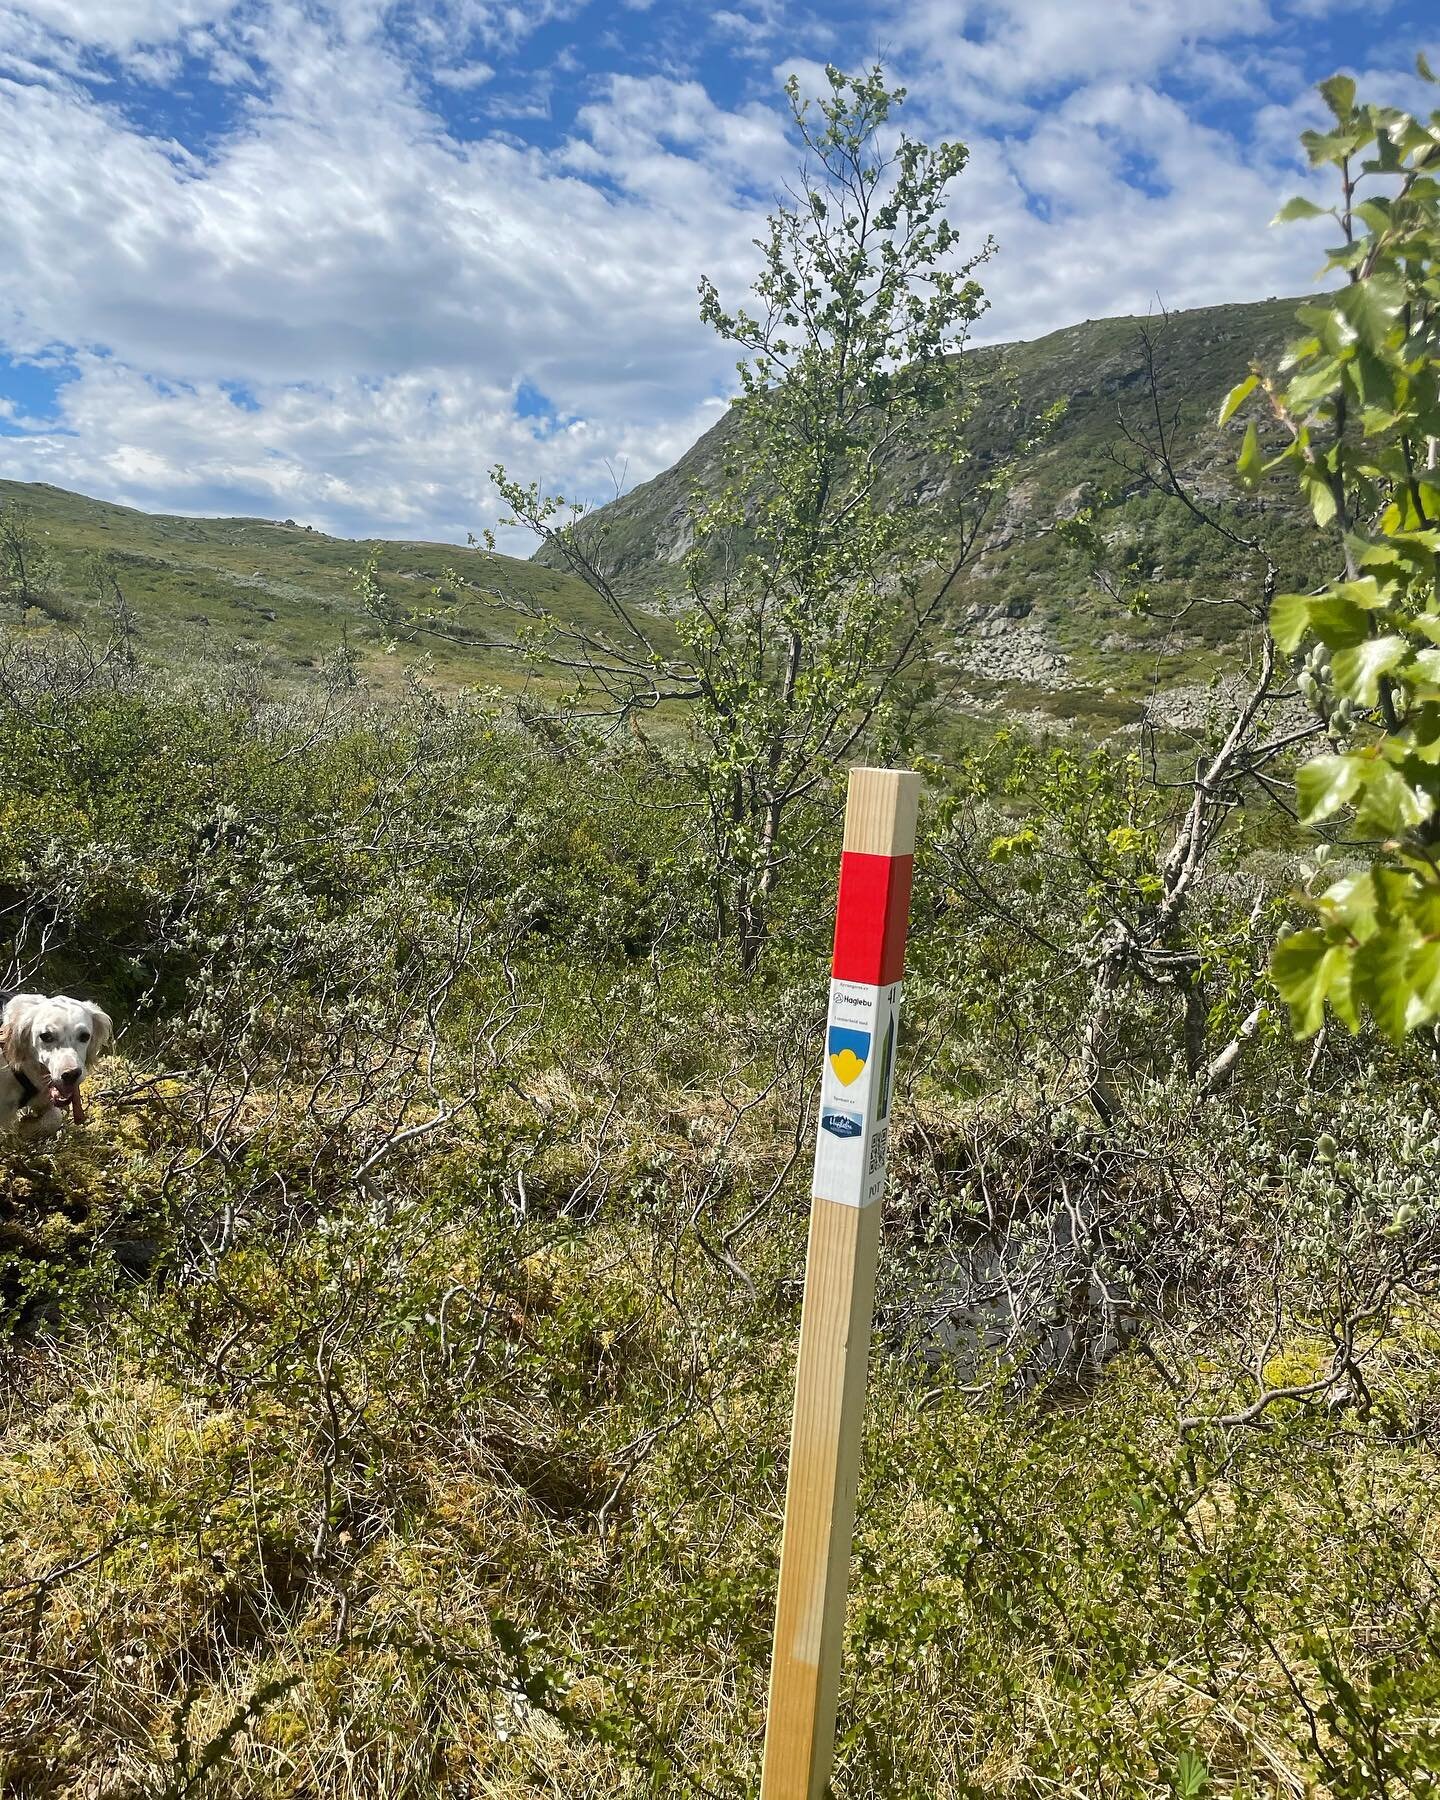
835 1323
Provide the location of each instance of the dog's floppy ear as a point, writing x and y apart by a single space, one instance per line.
101 1025
16 1043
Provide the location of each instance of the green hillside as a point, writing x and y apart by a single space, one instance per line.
1031 628
202 589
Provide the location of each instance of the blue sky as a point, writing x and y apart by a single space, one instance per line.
332 259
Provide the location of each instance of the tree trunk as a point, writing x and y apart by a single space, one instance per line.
1098 1047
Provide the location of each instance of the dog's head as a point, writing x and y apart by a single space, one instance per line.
53 1040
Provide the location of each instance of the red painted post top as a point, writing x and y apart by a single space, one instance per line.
871 916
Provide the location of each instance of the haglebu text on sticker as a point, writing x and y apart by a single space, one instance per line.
855 1092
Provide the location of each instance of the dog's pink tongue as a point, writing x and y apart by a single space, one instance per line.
63 1097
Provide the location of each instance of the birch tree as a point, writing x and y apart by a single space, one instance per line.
813 588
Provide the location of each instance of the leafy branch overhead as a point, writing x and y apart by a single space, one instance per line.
1353 414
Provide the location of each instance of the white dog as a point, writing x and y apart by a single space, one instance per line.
47 1043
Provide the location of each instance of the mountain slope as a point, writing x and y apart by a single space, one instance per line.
1031 627
1030 632
205 588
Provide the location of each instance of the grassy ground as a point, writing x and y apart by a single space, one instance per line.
206 589
395 1388
468 1505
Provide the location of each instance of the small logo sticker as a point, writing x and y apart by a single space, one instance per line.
842 1124
849 1051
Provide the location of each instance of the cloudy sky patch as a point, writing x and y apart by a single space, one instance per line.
332 259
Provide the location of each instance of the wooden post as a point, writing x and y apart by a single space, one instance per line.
859 1072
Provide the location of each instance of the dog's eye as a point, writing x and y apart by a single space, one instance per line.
47 1037
84 1036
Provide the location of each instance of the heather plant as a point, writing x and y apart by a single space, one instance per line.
397 1378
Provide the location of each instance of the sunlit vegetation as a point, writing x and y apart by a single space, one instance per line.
395 1371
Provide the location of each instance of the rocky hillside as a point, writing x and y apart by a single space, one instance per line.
1032 630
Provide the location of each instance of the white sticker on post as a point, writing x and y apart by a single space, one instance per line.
855 1092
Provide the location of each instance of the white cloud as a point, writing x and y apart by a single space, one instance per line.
498 24
753 31
464 75
406 457
339 233
115 25
1104 189
1321 9
1020 49
381 288
668 142
1117 201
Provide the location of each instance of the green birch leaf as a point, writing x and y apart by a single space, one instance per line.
1249 465
1380 980
1424 983
1422 726
1325 784
1289 620
1372 307
1298 208
1335 977
1425 959
1237 397
1339 95
1364 591
1338 622
1354 903
1319 382
1330 146
1320 495
1388 804
1357 671
1306 968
